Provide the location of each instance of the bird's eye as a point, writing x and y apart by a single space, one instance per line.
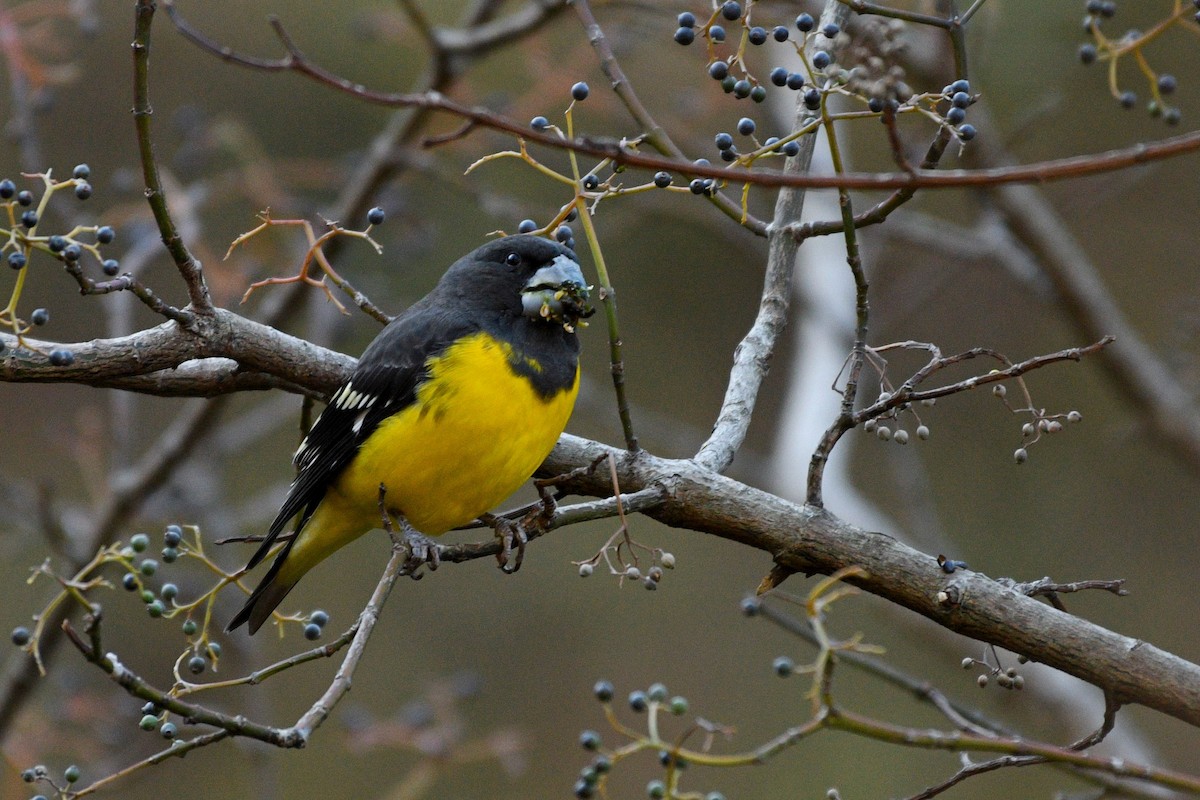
512 259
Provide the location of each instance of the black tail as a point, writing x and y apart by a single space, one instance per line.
266 596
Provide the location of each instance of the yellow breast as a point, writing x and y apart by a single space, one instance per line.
476 432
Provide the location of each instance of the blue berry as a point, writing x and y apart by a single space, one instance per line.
731 10
564 233
745 126
589 740
723 141
783 666
40 316
727 155
130 581
967 132
168 730
25 197
751 606
875 104
169 592
757 35
831 31
603 691
662 179
781 33
539 123
7 189
718 70
1172 116
21 636
376 216
527 226
72 252
687 20
61 358
173 536
716 33
56 244
196 664
1167 84
822 59
742 88
791 149
312 632
637 700
591 183
685 36
170 555
955 115
960 85
81 172
1127 99
960 100
29 218
580 91
83 190
795 81
779 76
319 618
812 99
697 186
805 22
1087 53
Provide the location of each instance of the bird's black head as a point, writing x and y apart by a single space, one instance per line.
521 275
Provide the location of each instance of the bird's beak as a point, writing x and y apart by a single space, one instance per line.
557 292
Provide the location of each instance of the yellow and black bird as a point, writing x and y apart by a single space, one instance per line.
450 409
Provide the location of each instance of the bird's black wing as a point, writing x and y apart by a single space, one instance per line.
384 382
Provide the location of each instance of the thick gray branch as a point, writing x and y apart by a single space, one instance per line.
806 539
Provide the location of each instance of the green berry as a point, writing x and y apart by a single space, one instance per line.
189 627
71 774
656 790
149 722
758 94
147 596
148 567
156 609
170 555
139 543
679 706
214 649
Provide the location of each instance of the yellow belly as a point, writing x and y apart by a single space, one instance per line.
477 431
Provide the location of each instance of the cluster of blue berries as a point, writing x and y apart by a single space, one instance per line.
1161 85
40 774
959 95
656 696
21 241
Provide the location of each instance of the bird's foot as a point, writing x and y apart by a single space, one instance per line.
513 539
421 551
